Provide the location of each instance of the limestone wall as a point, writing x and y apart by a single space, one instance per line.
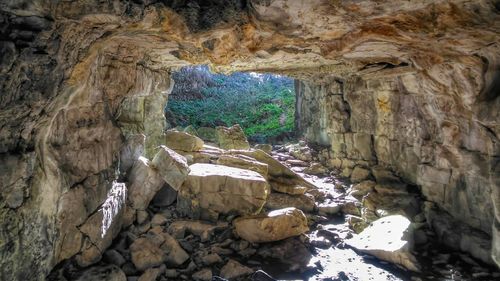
418 125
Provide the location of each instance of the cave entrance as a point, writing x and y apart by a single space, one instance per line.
262 104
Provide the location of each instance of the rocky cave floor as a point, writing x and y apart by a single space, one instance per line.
203 250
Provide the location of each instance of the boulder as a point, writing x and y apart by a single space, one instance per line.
151 274
231 138
146 253
359 174
171 166
144 183
361 189
316 169
234 269
267 148
213 189
276 170
166 196
204 230
243 162
207 134
291 252
300 151
190 130
203 275
102 273
175 253
183 141
389 239
304 202
273 226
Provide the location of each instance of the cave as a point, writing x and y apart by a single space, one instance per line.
398 99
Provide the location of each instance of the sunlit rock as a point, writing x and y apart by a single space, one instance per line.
243 162
212 189
144 183
359 174
231 138
234 269
183 141
273 226
104 225
389 239
171 166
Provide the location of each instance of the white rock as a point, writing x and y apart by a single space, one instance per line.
274 226
171 166
389 239
212 189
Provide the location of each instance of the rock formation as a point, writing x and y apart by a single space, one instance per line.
411 86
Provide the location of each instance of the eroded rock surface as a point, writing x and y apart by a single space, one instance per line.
409 85
210 190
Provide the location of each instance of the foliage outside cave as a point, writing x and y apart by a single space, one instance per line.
263 104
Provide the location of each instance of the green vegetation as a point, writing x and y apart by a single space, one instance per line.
263 104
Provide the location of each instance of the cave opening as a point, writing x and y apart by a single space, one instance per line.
397 120
262 104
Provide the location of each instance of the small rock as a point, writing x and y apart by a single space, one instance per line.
183 141
158 219
203 275
151 274
142 216
316 169
361 189
234 269
274 226
267 148
211 259
359 174
145 253
171 273
114 257
328 209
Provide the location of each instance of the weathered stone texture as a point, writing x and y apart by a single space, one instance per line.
80 78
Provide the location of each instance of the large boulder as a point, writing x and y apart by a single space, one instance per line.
273 226
172 166
207 134
231 138
389 239
144 183
276 170
211 189
183 141
243 162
